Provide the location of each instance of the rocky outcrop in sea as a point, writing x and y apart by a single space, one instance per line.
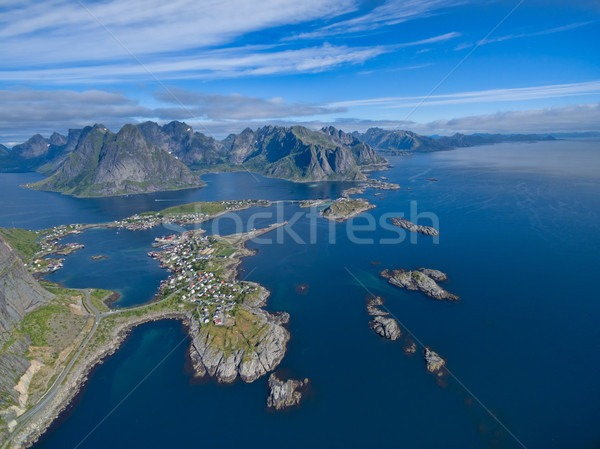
385 327
373 303
435 363
422 279
411 227
284 395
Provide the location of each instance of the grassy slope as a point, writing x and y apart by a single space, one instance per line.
23 241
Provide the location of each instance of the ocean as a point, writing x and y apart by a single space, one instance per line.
519 241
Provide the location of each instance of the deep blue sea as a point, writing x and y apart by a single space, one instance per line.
519 240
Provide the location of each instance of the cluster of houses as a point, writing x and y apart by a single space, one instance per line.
49 245
215 298
45 265
148 221
139 222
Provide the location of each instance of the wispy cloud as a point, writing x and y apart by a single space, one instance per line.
219 63
44 32
391 12
482 96
508 37
431 40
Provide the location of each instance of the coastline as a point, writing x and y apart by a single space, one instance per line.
77 380
61 404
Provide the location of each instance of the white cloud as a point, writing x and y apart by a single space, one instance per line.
232 107
483 96
221 63
25 112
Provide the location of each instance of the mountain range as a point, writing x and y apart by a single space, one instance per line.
148 157
398 141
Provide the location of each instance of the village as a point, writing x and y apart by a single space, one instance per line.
49 244
185 215
194 260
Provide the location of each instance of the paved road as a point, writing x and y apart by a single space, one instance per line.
53 390
51 393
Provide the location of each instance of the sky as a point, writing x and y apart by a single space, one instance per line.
430 66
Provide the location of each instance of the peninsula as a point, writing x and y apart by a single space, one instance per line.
231 335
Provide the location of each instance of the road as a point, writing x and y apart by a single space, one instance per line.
53 390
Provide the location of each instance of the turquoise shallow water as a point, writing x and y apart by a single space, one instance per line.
519 241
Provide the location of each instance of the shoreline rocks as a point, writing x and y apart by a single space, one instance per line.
422 279
285 394
411 227
209 359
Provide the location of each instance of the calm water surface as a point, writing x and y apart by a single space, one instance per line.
519 242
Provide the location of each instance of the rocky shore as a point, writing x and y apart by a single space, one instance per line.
209 359
77 379
285 394
423 279
353 191
411 227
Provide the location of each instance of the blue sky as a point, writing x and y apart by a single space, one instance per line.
432 66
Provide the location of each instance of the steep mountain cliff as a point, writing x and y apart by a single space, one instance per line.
20 293
178 138
295 153
104 164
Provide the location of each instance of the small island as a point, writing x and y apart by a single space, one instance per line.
343 209
285 395
410 226
377 184
434 362
422 279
